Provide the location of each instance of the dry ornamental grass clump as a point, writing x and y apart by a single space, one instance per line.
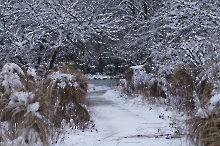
140 81
181 90
35 107
204 126
68 92
205 130
179 87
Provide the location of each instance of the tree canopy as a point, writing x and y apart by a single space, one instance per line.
102 34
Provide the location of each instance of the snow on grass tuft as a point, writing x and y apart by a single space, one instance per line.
64 79
12 68
204 126
210 106
203 129
31 72
34 109
214 102
24 97
12 82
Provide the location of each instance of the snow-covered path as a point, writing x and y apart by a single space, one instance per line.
124 122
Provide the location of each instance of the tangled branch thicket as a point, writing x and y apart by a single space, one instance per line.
34 107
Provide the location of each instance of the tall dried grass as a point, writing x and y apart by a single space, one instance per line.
21 121
70 99
149 85
55 105
180 90
204 92
205 131
183 90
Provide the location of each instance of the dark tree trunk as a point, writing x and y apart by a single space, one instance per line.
21 60
54 58
38 62
41 48
100 65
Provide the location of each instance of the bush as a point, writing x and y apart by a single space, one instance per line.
185 89
178 87
34 107
204 126
146 84
205 130
181 90
68 91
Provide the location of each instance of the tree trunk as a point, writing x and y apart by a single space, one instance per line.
39 57
54 58
100 65
21 60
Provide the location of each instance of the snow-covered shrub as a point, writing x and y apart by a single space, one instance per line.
205 131
35 107
181 89
179 84
10 78
26 112
68 89
204 126
138 80
184 88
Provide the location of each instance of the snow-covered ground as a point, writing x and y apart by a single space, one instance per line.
124 122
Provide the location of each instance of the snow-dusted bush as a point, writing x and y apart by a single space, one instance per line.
70 88
180 90
204 126
10 78
179 84
27 115
34 107
147 84
23 106
205 131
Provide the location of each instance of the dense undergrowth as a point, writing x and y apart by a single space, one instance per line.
37 105
183 89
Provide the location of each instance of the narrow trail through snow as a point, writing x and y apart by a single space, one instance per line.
123 122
